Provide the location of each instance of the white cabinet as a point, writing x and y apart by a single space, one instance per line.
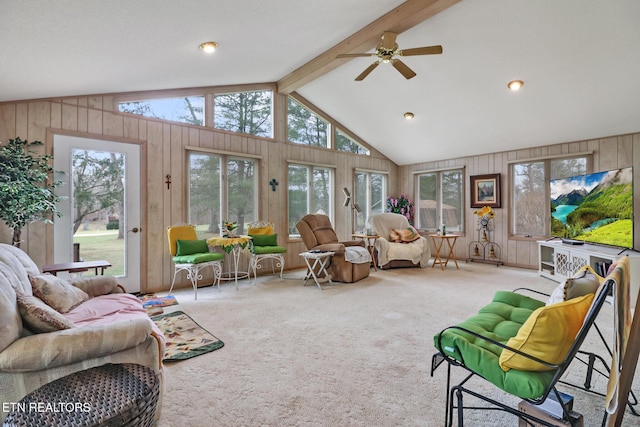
557 261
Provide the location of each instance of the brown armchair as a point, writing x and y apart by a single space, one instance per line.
318 234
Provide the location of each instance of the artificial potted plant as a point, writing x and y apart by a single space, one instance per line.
26 192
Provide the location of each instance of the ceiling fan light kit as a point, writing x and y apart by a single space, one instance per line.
386 52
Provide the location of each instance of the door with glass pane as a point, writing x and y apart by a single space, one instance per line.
100 207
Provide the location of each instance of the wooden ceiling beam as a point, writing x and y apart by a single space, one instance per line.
400 19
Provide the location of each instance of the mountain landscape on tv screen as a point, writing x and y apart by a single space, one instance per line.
595 208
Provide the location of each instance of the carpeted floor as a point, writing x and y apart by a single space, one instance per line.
350 355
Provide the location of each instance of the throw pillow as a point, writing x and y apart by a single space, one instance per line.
56 292
95 285
261 229
264 240
190 247
39 317
584 282
547 334
404 235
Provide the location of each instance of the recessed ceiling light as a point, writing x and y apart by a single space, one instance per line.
515 84
209 47
409 115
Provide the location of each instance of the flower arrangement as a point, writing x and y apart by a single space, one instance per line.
401 205
230 227
485 213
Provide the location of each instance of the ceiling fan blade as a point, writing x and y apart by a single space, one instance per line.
389 40
366 72
403 68
354 55
427 50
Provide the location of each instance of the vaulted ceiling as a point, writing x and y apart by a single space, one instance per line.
579 60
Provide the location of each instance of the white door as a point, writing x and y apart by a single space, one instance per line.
101 205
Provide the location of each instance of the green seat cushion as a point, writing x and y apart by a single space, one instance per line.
198 258
264 239
500 320
189 247
261 250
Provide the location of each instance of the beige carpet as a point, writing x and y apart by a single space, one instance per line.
349 355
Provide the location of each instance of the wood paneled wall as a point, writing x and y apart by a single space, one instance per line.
608 153
164 147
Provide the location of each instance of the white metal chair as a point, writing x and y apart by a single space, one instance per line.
192 255
264 246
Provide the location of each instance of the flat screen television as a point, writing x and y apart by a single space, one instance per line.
594 208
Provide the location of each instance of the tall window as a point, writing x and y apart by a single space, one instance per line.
245 112
186 109
344 143
306 127
211 202
310 191
530 192
369 193
440 200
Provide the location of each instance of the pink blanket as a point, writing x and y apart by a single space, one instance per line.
108 309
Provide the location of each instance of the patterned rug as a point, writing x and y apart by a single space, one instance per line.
185 338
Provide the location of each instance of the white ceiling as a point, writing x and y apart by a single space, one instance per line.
579 59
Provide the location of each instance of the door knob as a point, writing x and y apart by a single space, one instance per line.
134 230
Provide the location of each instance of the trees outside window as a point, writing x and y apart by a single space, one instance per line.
310 191
440 200
370 191
344 143
187 109
306 127
245 112
211 201
530 192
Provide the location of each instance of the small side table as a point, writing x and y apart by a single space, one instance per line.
77 267
233 246
370 242
438 242
320 260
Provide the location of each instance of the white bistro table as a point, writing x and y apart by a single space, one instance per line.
320 260
233 246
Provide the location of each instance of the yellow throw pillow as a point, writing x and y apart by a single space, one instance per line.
260 231
547 334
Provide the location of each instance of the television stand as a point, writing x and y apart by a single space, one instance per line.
558 261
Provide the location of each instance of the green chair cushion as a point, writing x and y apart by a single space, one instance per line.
500 320
264 239
262 250
189 247
198 258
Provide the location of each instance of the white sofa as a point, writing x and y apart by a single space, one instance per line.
108 327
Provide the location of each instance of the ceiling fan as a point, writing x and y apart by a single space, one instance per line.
387 50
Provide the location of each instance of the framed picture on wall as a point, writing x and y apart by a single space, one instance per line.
485 190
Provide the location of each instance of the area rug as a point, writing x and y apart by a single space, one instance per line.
151 300
185 338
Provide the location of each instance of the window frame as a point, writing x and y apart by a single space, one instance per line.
224 157
546 160
439 199
310 193
366 209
